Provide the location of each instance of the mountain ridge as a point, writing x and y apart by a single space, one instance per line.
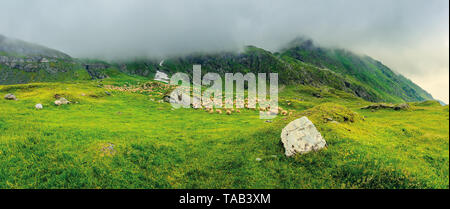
10 46
301 62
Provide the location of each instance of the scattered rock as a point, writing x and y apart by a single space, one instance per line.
268 121
403 106
166 98
61 101
38 106
108 93
10 97
301 136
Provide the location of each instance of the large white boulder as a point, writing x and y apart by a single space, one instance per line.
301 136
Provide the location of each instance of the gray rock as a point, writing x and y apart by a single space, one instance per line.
301 136
403 106
61 101
10 97
38 106
166 98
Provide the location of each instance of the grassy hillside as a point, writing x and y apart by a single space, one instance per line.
117 132
387 85
130 139
57 71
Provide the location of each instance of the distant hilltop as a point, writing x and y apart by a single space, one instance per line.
9 46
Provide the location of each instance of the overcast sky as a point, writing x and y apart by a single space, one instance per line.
409 36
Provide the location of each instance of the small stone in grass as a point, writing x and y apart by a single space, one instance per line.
38 106
61 101
10 97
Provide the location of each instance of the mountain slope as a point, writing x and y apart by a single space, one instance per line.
22 62
129 139
388 85
21 48
300 63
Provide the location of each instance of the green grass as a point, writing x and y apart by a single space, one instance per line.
156 146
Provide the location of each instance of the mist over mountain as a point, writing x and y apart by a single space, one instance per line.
409 36
300 62
17 47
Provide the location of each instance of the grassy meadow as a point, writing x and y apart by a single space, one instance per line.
131 139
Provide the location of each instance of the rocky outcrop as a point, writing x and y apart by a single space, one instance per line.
22 62
36 63
96 70
61 101
403 106
301 136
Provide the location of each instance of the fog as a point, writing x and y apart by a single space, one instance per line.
409 36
